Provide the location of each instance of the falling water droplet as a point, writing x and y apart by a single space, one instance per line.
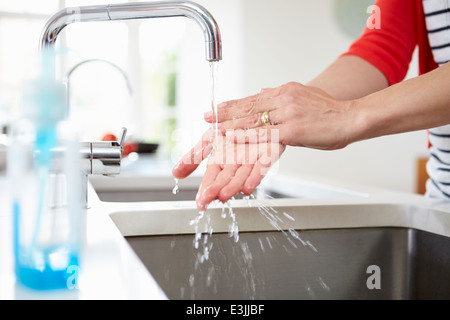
323 284
288 216
175 189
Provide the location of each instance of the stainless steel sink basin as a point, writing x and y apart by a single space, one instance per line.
310 241
264 265
303 250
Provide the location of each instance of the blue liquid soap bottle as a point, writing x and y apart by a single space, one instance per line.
45 178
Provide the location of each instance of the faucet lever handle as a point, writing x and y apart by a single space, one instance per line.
122 136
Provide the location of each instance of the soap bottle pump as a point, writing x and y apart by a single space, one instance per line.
45 176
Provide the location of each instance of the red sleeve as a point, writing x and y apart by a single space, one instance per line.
390 47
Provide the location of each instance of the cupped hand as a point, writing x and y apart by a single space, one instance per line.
302 115
232 167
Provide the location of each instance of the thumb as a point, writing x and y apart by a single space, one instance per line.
191 160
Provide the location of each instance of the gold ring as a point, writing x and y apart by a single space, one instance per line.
265 118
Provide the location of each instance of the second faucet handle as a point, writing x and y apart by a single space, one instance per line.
122 136
103 157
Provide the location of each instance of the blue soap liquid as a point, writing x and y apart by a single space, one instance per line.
48 278
46 268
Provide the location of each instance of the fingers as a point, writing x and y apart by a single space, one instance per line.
236 183
189 163
214 180
268 134
210 175
255 177
224 181
275 116
252 121
236 109
191 160
267 157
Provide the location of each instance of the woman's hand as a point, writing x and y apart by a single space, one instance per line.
303 116
246 148
232 167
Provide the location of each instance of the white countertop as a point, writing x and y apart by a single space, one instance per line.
111 270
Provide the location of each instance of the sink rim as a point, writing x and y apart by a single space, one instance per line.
160 221
377 207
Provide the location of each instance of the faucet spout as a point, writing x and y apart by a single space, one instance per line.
139 10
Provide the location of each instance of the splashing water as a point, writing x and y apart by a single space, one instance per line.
323 284
201 237
233 229
252 283
288 216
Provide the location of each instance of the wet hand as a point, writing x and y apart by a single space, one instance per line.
301 115
232 167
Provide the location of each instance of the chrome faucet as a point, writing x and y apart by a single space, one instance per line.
138 10
100 157
105 157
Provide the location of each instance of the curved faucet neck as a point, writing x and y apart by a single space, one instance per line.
132 11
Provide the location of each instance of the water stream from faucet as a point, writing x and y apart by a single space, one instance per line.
214 67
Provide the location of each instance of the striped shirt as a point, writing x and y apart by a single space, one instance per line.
437 17
405 25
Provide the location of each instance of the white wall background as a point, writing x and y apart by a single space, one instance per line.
267 43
